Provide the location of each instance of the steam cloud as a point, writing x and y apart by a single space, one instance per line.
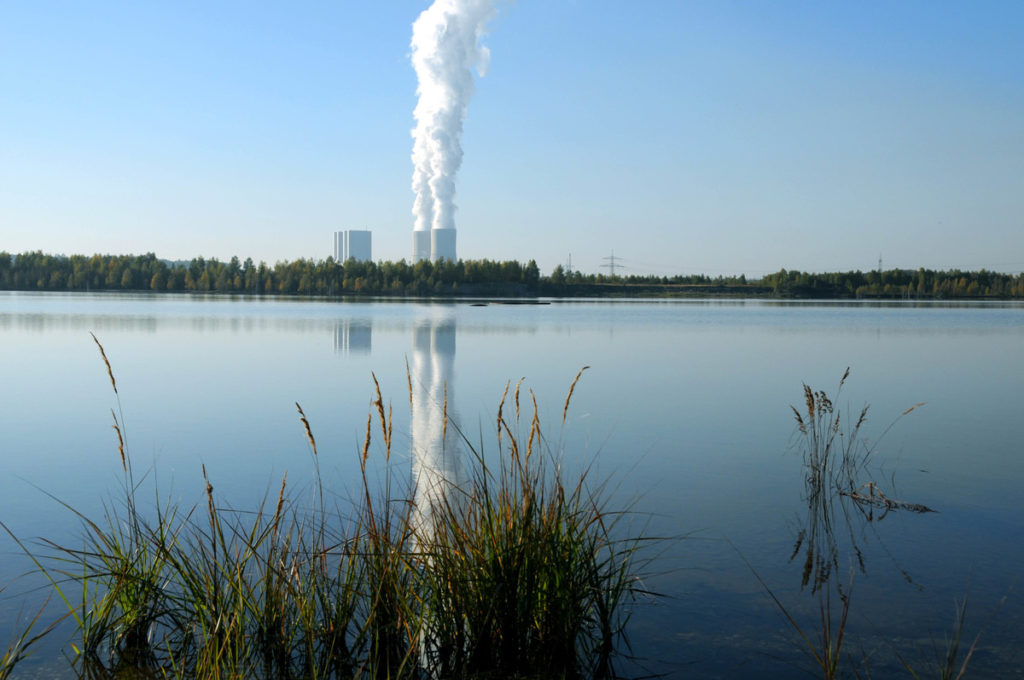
445 50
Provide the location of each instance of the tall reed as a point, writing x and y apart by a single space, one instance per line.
834 453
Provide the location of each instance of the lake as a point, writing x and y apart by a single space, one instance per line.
685 409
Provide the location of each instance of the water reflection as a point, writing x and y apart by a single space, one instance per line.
353 336
816 543
434 447
838 526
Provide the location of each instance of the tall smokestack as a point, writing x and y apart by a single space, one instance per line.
445 50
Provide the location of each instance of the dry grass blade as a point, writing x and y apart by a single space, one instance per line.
501 406
103 353
280 506
408 380
305 425
209 497
799 420
120 441
366 442
534 427
518 384
568 397
391 426
919 404
379 405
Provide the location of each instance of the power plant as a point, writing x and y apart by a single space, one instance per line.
433 245
352 244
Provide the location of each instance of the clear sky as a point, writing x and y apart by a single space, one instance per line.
686 136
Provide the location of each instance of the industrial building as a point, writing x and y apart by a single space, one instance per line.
352 244
434 245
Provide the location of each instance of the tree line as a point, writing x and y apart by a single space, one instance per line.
926 284
39 271
43 272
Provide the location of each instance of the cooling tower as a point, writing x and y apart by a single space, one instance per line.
420 245
442 245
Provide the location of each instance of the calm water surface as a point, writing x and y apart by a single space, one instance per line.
685 406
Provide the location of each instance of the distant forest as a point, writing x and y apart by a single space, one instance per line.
41 272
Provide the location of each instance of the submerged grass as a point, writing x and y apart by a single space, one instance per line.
517 573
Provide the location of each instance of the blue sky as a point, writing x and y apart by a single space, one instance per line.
687 137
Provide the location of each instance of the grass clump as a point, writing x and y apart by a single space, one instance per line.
525 571
516 574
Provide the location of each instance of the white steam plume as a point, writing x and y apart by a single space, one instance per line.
445 50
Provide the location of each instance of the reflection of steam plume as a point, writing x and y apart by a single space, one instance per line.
435 453
445 50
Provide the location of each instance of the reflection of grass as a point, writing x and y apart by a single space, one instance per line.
519 573
24 637
948 664
823 644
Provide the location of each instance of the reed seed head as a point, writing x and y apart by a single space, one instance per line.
799 420
912 408
113 383
379 404
568 397
120 441
305 424
366 442
517 396
501 406
444 414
